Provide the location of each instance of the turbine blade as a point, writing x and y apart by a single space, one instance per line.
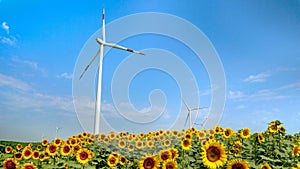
103 24
122 48
198 108
87 67
185 105
187 117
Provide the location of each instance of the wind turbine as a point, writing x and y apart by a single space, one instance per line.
57 128
189 113
102 42
202 124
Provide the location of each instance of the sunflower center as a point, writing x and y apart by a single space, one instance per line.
10 164
213 154
238 166
149 163
84 156
27 153
165 156
66 149
170 165
186 143
52 149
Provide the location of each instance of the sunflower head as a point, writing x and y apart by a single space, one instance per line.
296 150
237 164
27 153
265 166
29 166
245 133
214 154
10 163
65 150
112 160
122 143
228 132
170 164
83 156
122 160
44 142
164 155
148 162
8 149
260 138
186 144
52 149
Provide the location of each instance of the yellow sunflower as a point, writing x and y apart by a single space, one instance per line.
167 143
8 149
272 128
237 163
83 156
45 142
52 149
130 147
65 149
170 164
18 155
265 166
296 150
10 163
122 143
297 167
260 138
19 146
164 155
186 144
66 165
148 162
57 141
36 155
26 153
213 155
112 160
29 166
174 153
245 133
122 160
281 129
139 144
228 132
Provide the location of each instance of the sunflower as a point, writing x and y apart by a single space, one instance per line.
237 164
73 142
10 163
122 143
8 149
45 142
213 155
238 145
18 155
150 143
65 150
186 144
260 138
76 148
66 165
112 160
130 147
265 166
170 164
139 144
201 134
281 129
218 129
83 156
122 160
188 136
57 141
148 162
174 153
167 143
245 133
164 155
36 155
52 149
272 128
27 153
297 167
29 166
19 146
112 135
228 132
296 150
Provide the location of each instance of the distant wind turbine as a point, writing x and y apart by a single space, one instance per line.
189 110
57 129
102 42
202 124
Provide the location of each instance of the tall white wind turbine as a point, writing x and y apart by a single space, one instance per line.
102 42
188 117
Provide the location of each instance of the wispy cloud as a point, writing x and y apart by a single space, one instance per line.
65 75
8 38
14 83
266 94
5 27
261 77
31 64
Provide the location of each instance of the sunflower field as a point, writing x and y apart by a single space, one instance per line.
215 148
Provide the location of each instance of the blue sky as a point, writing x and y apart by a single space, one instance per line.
40 44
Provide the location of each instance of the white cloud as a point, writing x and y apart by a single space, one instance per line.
11 41
33 65
5 27
14 83
236 95
65 75
261 77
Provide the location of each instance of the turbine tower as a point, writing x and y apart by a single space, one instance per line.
102 42
188 117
